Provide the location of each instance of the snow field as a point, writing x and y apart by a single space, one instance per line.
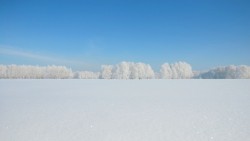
124 110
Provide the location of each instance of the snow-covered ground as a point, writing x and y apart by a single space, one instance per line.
124 110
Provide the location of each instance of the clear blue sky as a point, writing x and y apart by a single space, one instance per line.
86 34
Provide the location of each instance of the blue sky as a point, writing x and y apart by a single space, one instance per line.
86 34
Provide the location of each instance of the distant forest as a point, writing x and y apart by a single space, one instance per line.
124 70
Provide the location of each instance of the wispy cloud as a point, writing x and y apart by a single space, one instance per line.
7 50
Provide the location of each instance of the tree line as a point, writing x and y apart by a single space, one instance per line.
124 70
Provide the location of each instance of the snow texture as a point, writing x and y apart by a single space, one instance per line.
124 110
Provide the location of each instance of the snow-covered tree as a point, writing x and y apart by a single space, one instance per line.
131 70
122 71
227 72
34 72
179 70
87 75
166 71
149 72
243 72
3 71
106 72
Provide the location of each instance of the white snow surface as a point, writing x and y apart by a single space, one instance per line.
124 110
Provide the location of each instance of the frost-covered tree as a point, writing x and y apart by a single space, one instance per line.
165 71
179 70
3 71
149 72
87 75
106 72
243 72
121 71
142 71
58 72
124 70
131 70
227 72
34 72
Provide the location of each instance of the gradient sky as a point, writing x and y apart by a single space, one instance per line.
86 34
